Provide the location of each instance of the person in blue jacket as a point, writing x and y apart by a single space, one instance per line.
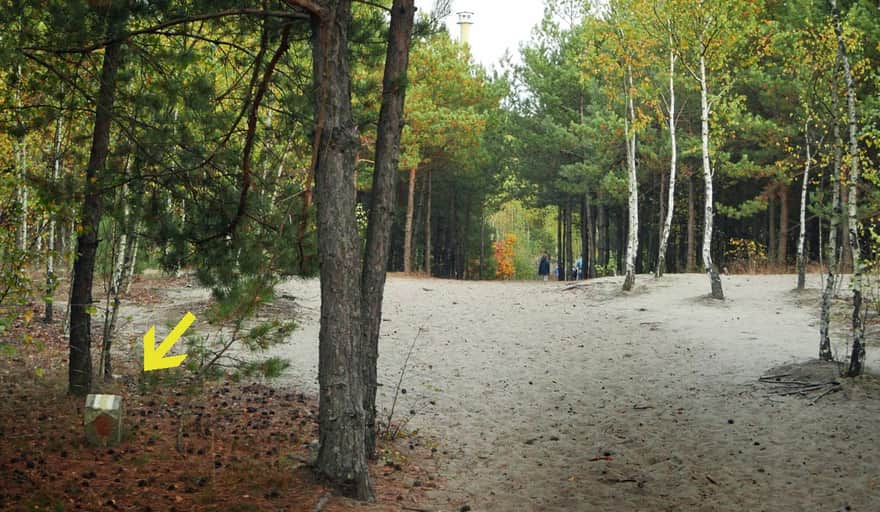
544 267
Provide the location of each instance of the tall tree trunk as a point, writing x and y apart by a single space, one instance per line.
80 366
844 263
772 224
342 419
585 238
604 243
691 227
450 240
428 270
465 235
857 357
482 238
590 261
569 249
825 353
117 276
23 196
560 242
632 242
51 279
673 160
708 210
408 229
135 240
782 250
382 210
802 235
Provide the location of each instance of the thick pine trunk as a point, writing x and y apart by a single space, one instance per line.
408 229
602 231
802 234
80 365
708 209
482 239
341 459
382 210
632 241
560 242
428 223
857 356
569 252
772 224
673 160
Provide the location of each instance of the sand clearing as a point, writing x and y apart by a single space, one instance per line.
541 398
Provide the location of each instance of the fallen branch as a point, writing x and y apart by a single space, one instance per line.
809 388
832 389
778 376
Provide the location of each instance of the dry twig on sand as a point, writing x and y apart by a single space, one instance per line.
797 387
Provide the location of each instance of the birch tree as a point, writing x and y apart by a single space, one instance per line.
715 29
857 354
802 234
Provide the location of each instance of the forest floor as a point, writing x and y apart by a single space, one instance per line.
221 446
516 396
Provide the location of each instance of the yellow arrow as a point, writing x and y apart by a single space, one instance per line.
154 358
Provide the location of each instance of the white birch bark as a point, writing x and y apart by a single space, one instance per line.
50 253
708 210
632 242
825 353
857 356
134 253
801 258
670 201
23 197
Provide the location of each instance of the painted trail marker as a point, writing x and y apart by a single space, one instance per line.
103 420
154 358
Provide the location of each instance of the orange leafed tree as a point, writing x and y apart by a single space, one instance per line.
504 253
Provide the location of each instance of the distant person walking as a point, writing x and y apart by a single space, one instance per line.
544 267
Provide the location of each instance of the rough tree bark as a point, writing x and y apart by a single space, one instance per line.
428 222
408 230
569 253
857 356
560 243
341 458
802 234
382 209
80 365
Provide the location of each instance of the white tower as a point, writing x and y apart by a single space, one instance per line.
465 20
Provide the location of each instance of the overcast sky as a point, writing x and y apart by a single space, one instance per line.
499 25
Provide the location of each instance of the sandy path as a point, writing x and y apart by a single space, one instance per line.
523 384
588 399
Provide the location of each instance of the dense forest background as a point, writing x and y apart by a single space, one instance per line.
639 136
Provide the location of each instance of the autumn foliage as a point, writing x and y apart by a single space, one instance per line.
504 253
